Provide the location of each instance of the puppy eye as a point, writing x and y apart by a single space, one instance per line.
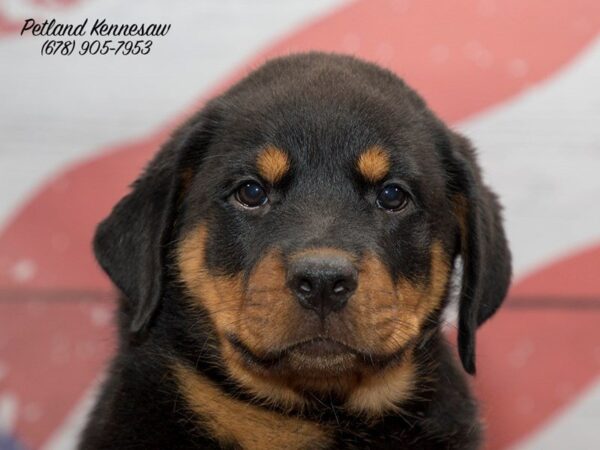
392 198
251 195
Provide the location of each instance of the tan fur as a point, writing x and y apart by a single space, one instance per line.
270 390
223 297
397 323
272 163
385 391
236 422
381 318
373 164
271 310
187 176
460 208
420 300
220 295
375 307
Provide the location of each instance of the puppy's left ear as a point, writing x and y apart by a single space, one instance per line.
131 244
483 247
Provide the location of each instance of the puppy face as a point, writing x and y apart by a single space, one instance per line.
321 247
313 214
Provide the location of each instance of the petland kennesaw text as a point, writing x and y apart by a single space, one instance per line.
99 28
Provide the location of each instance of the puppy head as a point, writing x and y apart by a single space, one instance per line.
313 212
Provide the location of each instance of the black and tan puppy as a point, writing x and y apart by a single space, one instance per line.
284 262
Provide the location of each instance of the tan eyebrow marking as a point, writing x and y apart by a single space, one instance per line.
373 164
272 163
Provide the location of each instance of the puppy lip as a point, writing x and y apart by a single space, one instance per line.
321 347
318 348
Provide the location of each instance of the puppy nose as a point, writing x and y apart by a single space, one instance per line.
322 284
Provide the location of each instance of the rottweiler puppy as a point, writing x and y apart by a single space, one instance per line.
284 262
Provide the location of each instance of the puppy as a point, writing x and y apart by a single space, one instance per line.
284 262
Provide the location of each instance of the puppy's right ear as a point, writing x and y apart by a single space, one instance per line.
483 247
131 244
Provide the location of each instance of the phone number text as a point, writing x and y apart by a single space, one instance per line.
96 47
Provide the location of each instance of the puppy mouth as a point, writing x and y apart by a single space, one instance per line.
321 353
321 348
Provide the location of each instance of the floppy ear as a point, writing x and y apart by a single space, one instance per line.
131 244
483 247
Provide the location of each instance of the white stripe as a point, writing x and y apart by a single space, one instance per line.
575 429
541 152
66 436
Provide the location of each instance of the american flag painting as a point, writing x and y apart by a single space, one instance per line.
521 78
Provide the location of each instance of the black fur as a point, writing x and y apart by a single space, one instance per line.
324 109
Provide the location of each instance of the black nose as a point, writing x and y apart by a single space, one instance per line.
322 283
